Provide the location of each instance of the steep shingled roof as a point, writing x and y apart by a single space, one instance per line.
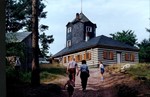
82 18
18 36
100 41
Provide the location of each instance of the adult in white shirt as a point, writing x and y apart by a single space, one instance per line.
71 68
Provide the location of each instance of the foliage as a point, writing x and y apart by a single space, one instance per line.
25 76
127 37
48 72
10 37
18 17
16 49
10 74
19 13
144 53
140 71
14 76
45 41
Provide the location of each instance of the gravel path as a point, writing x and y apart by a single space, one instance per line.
96 87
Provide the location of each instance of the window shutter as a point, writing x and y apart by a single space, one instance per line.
111 55
64 59
80 57
76 58
84 56
71 57
68 58
126 57
132 57
88 55
104 54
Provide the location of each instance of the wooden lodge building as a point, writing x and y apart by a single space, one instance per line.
82 44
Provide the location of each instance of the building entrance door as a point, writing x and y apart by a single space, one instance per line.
118 58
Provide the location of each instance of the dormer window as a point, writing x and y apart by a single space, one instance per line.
68 43
88 29
69 29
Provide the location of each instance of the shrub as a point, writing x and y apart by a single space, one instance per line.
25 76
140 71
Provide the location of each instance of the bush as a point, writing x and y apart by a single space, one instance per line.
140 71
25 76
15 76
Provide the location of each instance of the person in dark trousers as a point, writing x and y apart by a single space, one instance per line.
71 68
84 74
70 86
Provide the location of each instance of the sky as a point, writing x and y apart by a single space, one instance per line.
110 16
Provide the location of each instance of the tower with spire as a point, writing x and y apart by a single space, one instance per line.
83 44
79 30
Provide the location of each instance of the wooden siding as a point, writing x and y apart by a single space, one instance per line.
114 60
97 54
106 61
28 53
136 58
93 57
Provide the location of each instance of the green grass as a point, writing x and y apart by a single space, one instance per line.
51 72
48 72
140 71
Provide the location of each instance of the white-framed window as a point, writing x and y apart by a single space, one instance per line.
88 29
68 43
69 29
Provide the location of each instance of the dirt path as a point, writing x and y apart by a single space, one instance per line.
96 87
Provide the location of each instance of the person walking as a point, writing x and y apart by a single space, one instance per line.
70 86
102 70
71 68
84 74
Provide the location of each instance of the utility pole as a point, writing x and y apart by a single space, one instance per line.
149 20
35 76
2 51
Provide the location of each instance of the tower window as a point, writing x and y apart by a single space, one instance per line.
88 29
69 30
68 43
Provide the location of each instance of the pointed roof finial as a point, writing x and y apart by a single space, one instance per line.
149 19
81 6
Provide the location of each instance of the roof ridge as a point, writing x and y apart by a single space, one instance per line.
82 15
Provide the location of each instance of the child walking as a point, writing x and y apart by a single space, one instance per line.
102 70
70 86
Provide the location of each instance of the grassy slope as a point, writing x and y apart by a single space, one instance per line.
51 72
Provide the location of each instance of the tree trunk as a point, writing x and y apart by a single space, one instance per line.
35 77
2 50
